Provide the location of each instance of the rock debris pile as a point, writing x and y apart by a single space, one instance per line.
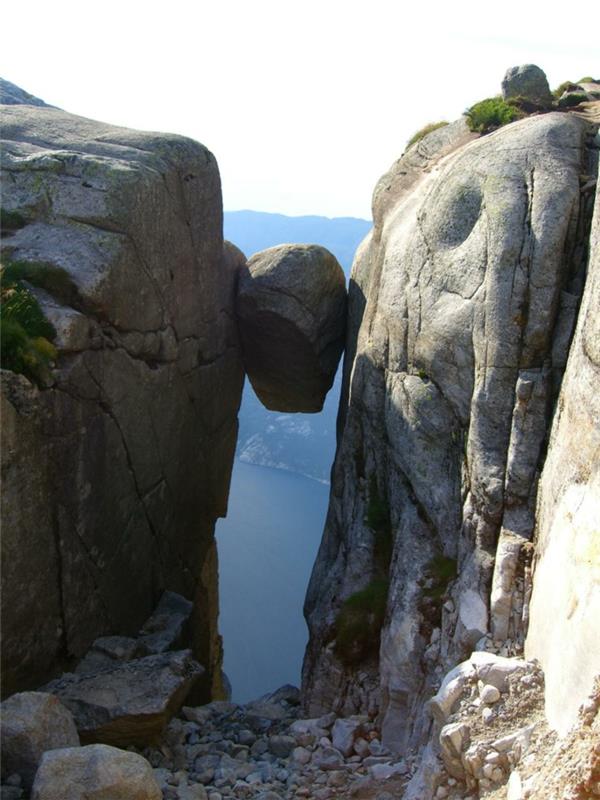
264 750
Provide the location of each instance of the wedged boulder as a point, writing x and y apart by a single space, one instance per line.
30 724
529 82
291 307
95 772
130 703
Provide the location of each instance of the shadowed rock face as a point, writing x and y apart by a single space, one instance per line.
291 307
115 472
462 304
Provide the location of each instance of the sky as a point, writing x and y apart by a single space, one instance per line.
304 104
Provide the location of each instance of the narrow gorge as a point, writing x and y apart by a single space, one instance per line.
453 607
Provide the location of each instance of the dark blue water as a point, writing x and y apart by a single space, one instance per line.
267 546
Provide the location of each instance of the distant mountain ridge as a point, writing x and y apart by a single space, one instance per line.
252 231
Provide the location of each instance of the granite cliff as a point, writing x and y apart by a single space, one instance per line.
118 443
462 306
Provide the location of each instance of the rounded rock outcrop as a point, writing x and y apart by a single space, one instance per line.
31 723
528 82
291 308
95 772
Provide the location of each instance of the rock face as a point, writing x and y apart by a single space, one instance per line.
115 472
130 703
291 306
95 772
462 305
565 604
30 724
528 82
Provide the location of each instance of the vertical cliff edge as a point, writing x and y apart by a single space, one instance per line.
115 461
462 306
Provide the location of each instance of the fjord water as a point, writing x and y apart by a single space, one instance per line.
267 546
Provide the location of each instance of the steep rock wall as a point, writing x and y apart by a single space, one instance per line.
565 604
462 304
116 468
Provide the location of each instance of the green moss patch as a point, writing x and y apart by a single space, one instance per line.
11 220
359 622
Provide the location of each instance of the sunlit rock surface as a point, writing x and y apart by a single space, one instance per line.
115 471
462 305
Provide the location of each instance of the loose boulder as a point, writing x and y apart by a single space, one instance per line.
131 703
528 82
291 307
30 724
95 772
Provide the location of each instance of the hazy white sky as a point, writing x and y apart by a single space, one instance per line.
305 104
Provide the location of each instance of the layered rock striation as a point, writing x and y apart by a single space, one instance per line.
117 463
462 305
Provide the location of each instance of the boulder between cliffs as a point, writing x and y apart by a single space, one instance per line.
291 307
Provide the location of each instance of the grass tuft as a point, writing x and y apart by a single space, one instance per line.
25 333
432 126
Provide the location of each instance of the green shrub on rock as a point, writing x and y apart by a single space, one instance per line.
492 113
25 333
54 280
359 622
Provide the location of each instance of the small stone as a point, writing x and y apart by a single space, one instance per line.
246 737
343 734
281 746
489 694
487 715
441 792
336 778
327 720
259 747
301 755
381 772
361 747
497 775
